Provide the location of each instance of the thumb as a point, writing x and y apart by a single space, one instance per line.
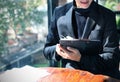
71 49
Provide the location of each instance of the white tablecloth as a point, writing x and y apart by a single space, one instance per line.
24 74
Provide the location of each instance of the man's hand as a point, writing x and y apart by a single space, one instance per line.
69 53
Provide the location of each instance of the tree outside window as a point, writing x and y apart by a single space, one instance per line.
17 17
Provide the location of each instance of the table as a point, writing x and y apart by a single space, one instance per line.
50 74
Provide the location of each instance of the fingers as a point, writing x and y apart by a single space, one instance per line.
57 49
69 53
72 49
60 51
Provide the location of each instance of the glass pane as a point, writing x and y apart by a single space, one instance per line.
118 21
62 2
111 4
23 30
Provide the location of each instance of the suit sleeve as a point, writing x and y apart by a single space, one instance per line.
109 59
51 40
110 55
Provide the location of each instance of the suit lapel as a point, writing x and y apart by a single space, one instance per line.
69 21
88 28
64 24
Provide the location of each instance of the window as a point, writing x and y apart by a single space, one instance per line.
111 4
23 29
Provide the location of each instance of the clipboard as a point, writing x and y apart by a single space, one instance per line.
85 46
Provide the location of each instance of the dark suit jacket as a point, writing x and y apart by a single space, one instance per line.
100 25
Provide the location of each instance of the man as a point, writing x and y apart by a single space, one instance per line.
71 20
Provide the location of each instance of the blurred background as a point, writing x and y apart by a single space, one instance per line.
23 29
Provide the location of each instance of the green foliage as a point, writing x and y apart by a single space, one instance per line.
118 21
110 4
14 13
